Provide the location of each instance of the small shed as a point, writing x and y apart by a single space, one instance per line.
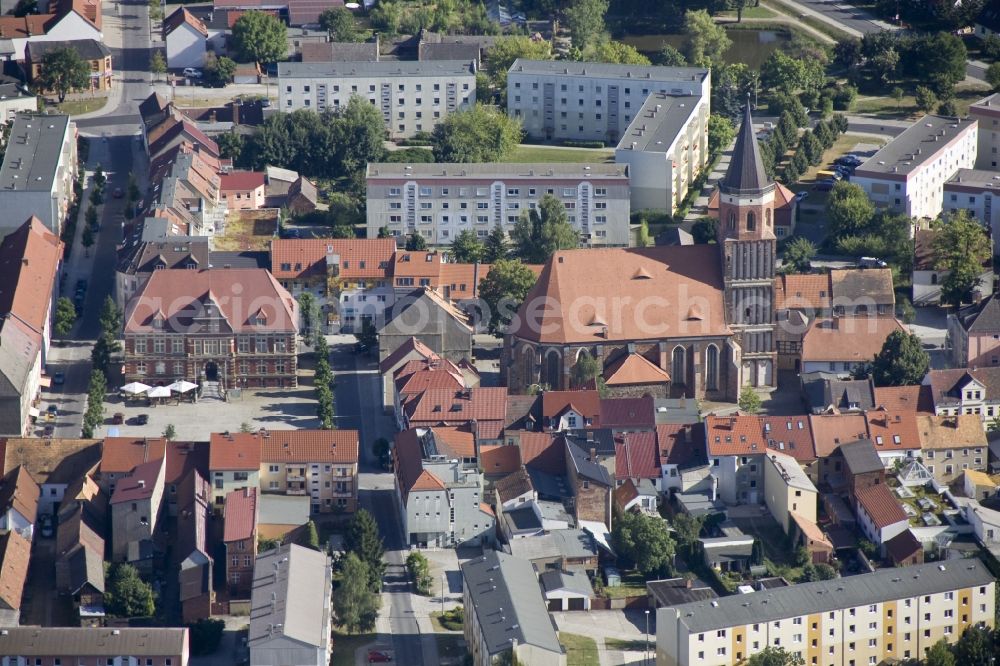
566 590
247 72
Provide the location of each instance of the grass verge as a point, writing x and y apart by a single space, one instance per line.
817 24
637 645
580 650
527 154
345 645
75 107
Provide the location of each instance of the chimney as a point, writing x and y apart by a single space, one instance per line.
593 454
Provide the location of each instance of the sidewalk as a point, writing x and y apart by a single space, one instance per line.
112 31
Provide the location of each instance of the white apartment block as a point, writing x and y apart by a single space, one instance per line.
891 615
438 201
589 101
987 112
978 192
908 174
413 96
665 147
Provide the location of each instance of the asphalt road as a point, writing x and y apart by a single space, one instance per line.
359 406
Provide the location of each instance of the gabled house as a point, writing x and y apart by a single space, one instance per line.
94 53
15 556
589 482
437 322
965 391
736 446
842 344
570 410
852 467
486 407
135 512
637 460
322 464
233 463
628 414
974 332
120 455
437 373
439 489
952 444
828 393
682 455
879 514
138 258
788 493
54 464
242 190
80 562
410 349
192 550
186 39
19 502
894 434
239 538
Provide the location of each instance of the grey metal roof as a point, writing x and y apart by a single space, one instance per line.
861 457
33 150
822 596
576 582
522 519
600 69
386 69
586 467
659 122
508 602
19 347
746 168
676 591
88 49
975 178
239 259
569 544
917 144
283 510
824 389
93 642
300 580
492 171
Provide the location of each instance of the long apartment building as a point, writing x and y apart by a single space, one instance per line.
908 174
93 646
987 112
891 615
978 192
589 101
665 147
437 201
413 95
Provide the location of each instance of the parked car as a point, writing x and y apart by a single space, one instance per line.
142 419
46 523
871 262
59 378
192 73
51 412
377 657
801 195
824 185
118 418
118 193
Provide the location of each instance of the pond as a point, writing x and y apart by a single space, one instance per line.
749 46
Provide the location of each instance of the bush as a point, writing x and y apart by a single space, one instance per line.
569 143
204 636
844 97
453 620
410 155
420 572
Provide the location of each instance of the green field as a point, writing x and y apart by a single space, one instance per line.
580 650
527 154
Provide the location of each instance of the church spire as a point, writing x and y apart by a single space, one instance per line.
746 173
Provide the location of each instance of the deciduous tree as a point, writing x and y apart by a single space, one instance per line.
848 209
976 647
128 595
902 360
339 24
503 290
608 50
940 655
721 132
63 70
505 50
542 231
355 603
585 21
480 134
961 247
707 41
259 37
643 541
798 253
466 248
774 656
749 401
65 316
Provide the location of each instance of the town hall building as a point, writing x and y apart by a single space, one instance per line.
697 320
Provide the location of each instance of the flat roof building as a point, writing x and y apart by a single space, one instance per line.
908 174
413 96
889 615
987 112
978 192
590 101
438 201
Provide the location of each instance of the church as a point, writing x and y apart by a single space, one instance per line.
693 321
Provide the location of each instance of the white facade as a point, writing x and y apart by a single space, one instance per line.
186 47
665 147
413 96
70 27
978 192
438 201
987 112
908 174
587 101
874 533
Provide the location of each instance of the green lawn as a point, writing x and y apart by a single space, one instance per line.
526 153
580 650
451 649
345 645
907 107
637 645
751 12
75 107
817 24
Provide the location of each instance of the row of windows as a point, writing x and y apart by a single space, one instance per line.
428 191
180 368
260 345
401 87
564 87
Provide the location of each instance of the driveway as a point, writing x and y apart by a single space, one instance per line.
615 624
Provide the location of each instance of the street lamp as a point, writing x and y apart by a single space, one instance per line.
442 593
645 658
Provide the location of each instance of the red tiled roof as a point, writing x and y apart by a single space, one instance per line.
792 435
513 485
636 456
734 435
632 369
182 457
628 412
543 451
235 451
241 181
423 264
586 403
180 17
832 430
422 374
411 348
950 432
307 446
247 300
15 556
803 292
485 405
893 430
679 443
500 459
123 454
19 491
29 260
905 398
880 505
240 514
625 493
409 467
306 257
847 339
140 482
12 27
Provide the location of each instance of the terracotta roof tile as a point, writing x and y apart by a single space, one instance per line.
424 264
140 483
306 446
422 374
791 435
637 456
15 556
182 457
297 258
803 292
905 398
51 460
513 485
500 459
680 443
235 451
831 430
543 451
408 463
241 180
847 339
19 491
32 25
652 279
587 403
485 405
411 348
121 455
870 284
29 260
625 493
734 435
880 505
903 546
240 514
241 296
628 413
890 430
632 369
950 432
180 17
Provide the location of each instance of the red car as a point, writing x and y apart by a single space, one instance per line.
376 657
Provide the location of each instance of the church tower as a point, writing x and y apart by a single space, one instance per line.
748 252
